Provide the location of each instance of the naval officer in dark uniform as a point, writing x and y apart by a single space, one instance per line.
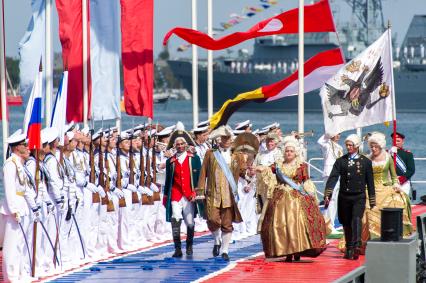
356 174
405 167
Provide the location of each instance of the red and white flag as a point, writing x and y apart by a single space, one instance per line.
318 69
318 18
137 56
71 36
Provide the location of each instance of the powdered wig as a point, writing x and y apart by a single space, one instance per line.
378 138
293 144
179 139
355 139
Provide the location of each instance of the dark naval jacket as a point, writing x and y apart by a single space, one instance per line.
355 176
407 157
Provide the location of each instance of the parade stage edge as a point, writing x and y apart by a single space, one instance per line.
155 264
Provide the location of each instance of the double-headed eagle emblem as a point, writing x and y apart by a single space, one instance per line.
358 96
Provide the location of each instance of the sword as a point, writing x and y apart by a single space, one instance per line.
79 235
26 243
57 242
50 240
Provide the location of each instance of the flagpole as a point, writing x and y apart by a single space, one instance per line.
3 87
48 61
194 68
392 92
209 61
85 64
301 71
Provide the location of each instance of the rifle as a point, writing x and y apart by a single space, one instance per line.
156 195
122 201
108 202
145 198
135 198
92 177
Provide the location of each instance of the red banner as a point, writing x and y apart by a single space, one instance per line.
318 18
71 36
137 56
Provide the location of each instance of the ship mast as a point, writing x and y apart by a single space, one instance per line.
370 15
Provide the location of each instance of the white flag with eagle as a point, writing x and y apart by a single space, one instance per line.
359 94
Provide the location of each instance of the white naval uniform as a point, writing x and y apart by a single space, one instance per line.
269 157
247 207
201 150
19 198
201 223
331 151
44 264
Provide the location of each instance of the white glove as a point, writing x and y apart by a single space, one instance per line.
154 188
92 187
119 193
102 193
394 149
149 192
140 189
99 189
132 188
80 179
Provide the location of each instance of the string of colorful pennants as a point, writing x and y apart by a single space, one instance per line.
247 12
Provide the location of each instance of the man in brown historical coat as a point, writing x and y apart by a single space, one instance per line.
217 183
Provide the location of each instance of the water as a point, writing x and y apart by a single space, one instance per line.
411 124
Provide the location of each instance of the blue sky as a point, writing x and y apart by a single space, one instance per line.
171 13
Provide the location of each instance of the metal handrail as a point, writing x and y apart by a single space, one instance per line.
320 171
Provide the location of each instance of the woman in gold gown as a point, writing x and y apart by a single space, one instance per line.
388 193
293 225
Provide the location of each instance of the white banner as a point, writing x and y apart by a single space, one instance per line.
59 112
359 94
105 58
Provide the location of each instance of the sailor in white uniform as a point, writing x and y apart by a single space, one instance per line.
245 126
331 150
17 209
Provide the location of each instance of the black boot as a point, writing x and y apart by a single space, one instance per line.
216 250
176 237
189 239
349 244
356 234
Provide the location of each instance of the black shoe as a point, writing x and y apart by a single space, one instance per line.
356 253
216 250
225 257
297 257
189 250
288 258
178 253
349 253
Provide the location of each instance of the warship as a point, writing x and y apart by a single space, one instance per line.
275 57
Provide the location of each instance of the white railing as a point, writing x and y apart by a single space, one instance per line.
309 162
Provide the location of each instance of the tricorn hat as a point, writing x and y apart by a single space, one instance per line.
180 133
246 141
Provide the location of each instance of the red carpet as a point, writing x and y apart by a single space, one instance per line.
329 266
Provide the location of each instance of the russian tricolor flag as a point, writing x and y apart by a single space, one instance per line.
33 114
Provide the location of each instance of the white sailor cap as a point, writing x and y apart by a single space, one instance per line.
199 130
255 132
243 125
137 133
85 131
272 126
262 132
97 134
124 136
49 135
71 126
237 132
166 131
151 132
16 138
70 135
203 124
